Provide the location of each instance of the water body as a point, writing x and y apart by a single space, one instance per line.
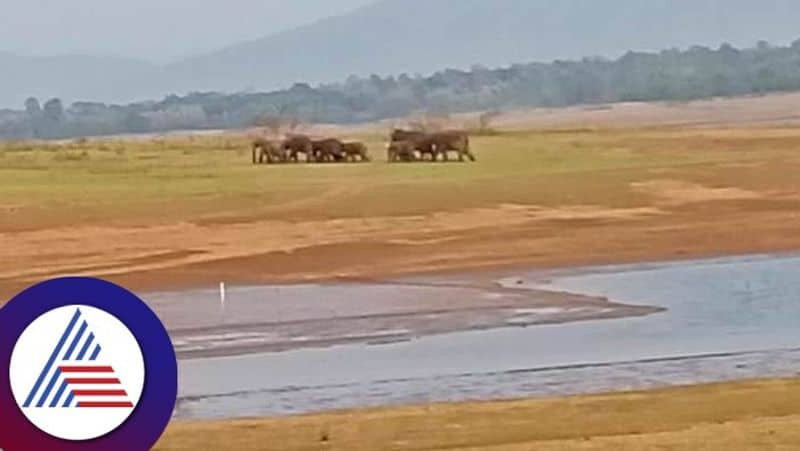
726 319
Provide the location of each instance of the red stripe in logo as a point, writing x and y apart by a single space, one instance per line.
101 405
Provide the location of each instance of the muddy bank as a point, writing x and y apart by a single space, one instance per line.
726 319
276 318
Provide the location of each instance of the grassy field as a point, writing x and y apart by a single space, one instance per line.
185 210
747 416
212 175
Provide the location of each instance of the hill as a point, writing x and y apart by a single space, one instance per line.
672 75
410 36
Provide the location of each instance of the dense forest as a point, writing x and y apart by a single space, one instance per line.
695 73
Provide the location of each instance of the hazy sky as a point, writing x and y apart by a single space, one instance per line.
150 29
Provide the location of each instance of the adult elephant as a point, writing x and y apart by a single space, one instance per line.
297 144
423 142
356 151
266 152
451 141
329 150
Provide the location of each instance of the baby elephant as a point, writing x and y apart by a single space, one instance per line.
402 151
355 151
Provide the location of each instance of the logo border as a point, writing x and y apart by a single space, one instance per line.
153 412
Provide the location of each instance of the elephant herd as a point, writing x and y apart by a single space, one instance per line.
319 151
404 146
417 146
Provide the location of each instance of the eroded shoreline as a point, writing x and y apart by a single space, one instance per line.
275 318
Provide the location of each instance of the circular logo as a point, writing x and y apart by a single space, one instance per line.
90 367
89 377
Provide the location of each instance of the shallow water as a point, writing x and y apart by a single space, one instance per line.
726 319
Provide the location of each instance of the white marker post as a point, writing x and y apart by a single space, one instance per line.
222 296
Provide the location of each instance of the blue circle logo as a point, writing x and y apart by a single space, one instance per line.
90 367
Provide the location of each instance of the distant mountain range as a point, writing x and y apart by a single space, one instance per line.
410 36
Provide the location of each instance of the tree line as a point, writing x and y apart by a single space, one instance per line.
670 75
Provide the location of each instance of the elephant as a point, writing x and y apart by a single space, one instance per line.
451 141
329 150
422 141
266 152
356 151
297 144
402 151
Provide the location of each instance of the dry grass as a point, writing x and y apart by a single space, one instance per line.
186 178
748 416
